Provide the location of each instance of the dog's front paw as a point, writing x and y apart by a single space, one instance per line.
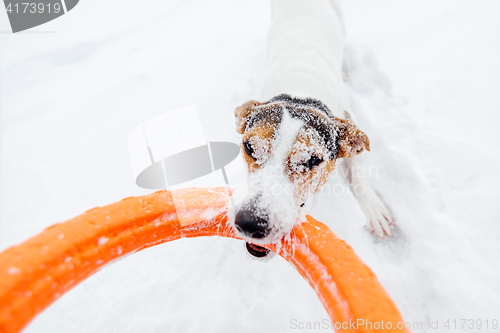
379 219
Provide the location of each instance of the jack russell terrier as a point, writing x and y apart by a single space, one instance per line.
303 124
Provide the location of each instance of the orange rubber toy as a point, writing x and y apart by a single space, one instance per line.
35 273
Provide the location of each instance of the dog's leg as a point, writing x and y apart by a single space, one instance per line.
379 219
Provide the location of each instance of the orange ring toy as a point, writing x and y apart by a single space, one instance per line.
35 273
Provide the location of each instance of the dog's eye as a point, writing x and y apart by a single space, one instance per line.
248 148
312 162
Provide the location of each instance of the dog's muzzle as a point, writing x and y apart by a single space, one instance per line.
251 224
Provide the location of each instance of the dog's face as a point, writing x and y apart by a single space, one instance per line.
290 149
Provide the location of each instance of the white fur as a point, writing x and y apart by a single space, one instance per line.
274 186
305 56
305 53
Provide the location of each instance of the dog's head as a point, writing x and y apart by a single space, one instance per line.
290 147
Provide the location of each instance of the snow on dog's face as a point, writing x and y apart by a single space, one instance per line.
290 147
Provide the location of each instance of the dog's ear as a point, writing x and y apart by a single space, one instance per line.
242 113
352 141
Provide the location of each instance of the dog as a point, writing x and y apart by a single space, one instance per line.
292 139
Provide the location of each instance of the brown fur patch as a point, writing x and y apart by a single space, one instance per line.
264 132
352 141
242 113
305 179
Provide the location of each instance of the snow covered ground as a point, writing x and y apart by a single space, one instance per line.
425 86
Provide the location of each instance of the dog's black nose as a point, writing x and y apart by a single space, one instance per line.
248 223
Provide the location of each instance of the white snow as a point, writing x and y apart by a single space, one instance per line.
102 240
425 81
13 271
261 148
